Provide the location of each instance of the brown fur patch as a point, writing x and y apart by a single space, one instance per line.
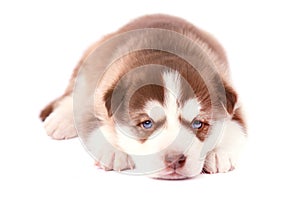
145 94
193 84
49 108
46 111
231 98
240 119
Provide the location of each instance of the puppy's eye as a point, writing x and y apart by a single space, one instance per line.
147 124
197 124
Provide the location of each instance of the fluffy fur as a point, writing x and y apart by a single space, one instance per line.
113 103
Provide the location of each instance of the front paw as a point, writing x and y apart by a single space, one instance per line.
218 161
115 160
60 123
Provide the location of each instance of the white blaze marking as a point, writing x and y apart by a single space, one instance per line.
190 109
172 95
155 110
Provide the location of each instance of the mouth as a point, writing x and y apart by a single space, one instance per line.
171 176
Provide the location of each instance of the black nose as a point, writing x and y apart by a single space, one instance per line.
175 161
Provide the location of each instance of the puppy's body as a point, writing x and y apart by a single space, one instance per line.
153 106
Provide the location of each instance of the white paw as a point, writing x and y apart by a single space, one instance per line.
115 160
59 124
218 161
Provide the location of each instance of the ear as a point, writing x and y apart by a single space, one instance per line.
107 100
113 98
231 98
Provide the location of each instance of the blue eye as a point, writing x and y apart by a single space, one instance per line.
197 124
147 124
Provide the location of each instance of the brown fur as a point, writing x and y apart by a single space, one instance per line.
195 84
239 117
143 57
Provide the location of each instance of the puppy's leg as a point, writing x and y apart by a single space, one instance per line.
115 160
58 115
224 156
60 122
101 143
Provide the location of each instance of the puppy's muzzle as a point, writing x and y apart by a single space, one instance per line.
175 161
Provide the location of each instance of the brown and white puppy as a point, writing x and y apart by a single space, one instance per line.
154 97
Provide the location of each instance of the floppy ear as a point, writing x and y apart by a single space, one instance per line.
107 100
231 98
232 108
113 98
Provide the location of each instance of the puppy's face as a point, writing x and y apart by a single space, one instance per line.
162 118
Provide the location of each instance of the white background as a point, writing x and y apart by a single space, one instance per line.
41 42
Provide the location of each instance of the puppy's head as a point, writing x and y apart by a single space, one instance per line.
161 112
